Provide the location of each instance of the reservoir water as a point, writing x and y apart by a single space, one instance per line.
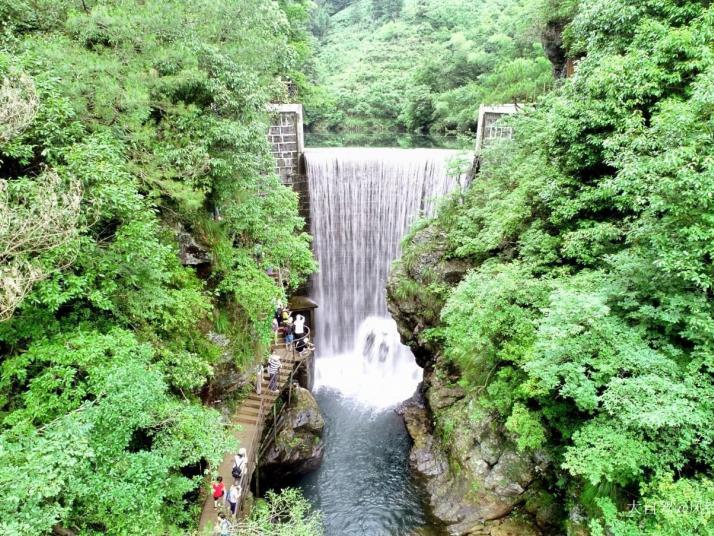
362 202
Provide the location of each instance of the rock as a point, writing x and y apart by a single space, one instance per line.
191 252
513 527
469 492
476 481
298 447
552 39
414 307
424 459
442 395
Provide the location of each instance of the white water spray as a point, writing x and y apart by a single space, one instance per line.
362 203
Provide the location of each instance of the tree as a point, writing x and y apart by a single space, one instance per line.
39 216
386 9
18 106
286 513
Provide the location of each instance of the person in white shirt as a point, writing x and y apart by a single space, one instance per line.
299 326
240 463
232 499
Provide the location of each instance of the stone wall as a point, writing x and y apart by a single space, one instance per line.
287 140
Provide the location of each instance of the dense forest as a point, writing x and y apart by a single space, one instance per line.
585 321
425 65
124 125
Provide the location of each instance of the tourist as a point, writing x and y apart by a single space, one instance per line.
304 346
276 327
219 490
240 462
232 499
274 366
288 331
285 315
224 526
299 328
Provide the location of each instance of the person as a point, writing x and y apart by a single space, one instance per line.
224 527
299 327
240 463
274 366
288 330
276 327
218 491
232 499
285 315
304 346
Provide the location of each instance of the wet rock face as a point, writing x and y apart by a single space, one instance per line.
416 312
298 447
476 481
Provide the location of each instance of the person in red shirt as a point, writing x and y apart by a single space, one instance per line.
218 491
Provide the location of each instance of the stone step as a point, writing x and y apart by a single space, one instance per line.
244 421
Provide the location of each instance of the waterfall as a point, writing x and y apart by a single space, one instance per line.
362 202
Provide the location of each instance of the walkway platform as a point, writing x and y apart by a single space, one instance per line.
251 416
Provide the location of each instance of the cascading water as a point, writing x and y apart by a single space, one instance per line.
362 202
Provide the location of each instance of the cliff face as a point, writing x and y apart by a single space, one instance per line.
476 479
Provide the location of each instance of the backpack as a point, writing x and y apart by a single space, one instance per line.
236 472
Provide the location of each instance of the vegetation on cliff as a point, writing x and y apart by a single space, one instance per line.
423 65
123 124
586 320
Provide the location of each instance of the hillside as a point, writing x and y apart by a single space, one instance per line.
129 132
564 302
421 65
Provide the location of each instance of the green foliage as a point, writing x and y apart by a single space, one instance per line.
286 513
428 64
586 321
526 426
158 116
128 438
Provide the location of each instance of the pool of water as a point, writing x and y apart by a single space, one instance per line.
364 486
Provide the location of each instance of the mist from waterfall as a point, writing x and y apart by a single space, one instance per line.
362 202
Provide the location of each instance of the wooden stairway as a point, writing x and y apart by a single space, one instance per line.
250 432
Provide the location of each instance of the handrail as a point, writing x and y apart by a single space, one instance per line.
256 445
264 445
245 481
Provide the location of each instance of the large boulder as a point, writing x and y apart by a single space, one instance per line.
298 447
476 480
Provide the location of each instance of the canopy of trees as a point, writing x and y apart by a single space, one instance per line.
124 122
587 321
425 64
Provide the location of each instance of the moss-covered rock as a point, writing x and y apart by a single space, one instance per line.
298 447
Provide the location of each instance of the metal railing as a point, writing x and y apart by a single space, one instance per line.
256 447
272 431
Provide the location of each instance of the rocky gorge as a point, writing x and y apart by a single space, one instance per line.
476 480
